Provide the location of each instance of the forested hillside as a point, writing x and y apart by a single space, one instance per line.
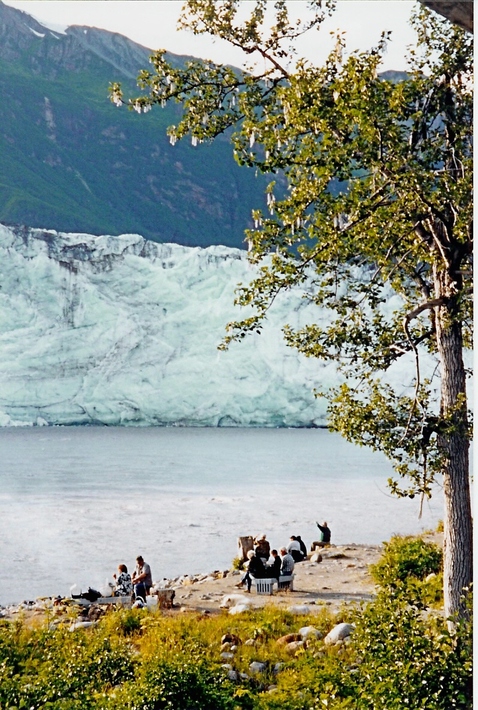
72 161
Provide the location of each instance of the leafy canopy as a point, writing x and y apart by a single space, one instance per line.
375 223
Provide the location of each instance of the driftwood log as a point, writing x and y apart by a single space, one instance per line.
244 544
165 597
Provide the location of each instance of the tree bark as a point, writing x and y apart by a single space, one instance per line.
454 445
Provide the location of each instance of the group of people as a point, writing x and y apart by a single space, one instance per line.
137 585
259 567
262 562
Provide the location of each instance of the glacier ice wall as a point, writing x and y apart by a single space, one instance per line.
120 330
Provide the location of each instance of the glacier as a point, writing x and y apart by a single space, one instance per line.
124 331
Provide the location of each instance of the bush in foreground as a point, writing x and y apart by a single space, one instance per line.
401 655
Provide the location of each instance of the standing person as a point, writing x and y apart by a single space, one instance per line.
123 584
287 563
325 532
142 578
273 570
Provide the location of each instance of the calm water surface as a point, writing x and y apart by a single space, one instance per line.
75 502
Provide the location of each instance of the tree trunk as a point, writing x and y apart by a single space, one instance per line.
454 445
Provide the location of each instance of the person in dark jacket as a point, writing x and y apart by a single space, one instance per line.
325 530
262 547
273 570
303 547
255 569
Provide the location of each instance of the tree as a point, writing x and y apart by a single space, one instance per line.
375 226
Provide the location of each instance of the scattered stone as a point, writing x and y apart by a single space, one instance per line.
338 633
316 558
250 642
231 600
288 638
232 675
278 667
82 625
226 656
231 638
307 631
207 579
257 667
295 646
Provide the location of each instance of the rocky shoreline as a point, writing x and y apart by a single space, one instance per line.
339 575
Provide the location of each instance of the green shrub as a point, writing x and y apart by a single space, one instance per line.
237 563
406 563
408 660
177 684
399 656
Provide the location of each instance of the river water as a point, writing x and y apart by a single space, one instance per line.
77 501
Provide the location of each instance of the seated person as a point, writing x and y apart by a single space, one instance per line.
123 585
255 569
287 563
142 578
262 547
273 569
303 547
293 548
325 534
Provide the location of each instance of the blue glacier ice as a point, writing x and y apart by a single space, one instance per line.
124 331
120 330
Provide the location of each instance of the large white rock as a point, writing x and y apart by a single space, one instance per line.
339 633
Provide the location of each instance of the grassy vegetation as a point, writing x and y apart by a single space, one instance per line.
399 656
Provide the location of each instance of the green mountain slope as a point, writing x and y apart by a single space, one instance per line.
70 160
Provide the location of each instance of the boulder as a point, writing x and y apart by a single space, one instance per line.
288 638
338 633
309 631
258 667
295 646
240 608
231 600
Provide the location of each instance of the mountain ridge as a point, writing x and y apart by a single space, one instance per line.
70 160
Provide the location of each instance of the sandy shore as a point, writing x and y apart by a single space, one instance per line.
342 576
